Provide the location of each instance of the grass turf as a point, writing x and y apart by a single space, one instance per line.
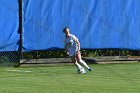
107 78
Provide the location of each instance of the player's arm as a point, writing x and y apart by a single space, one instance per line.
78 44
66 48
77 41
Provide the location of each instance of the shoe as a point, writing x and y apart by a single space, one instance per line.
84 72
90 69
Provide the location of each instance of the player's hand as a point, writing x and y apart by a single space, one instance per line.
78 52
67 53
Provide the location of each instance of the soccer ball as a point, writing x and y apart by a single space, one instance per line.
81 71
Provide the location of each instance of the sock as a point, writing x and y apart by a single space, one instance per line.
78 65
84 63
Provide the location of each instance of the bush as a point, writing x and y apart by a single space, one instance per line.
85 53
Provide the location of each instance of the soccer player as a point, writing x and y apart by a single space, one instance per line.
72 47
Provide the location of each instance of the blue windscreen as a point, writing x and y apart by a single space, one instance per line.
98 24
9 36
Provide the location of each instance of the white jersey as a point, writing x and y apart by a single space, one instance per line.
71 45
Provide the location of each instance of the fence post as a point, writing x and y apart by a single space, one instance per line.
20 29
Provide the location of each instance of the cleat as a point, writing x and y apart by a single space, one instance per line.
90 69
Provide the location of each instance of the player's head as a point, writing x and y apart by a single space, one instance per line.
66 30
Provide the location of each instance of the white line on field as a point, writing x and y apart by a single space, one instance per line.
19 71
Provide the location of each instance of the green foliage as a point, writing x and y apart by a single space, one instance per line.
93 53
85 53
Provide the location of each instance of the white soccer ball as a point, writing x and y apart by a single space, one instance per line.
81 71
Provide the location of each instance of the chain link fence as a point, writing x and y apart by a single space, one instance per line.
56 57
9 59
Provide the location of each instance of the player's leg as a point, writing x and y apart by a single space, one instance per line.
73 59
79 59
79 67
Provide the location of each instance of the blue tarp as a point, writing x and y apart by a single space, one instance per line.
9 25
99 24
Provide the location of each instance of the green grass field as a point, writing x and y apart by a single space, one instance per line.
107 78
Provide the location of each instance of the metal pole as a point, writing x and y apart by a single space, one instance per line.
20 29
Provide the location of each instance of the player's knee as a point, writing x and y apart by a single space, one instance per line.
75 62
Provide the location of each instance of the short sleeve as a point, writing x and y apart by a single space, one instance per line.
74 37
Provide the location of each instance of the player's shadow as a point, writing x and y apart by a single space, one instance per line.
90 60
